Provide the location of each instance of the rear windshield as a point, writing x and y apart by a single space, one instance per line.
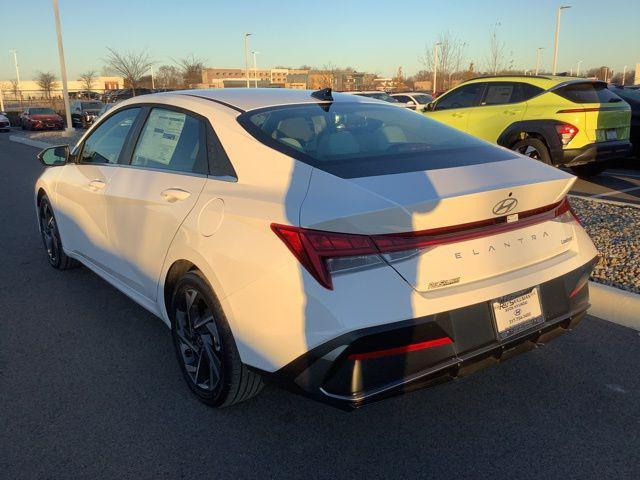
365 139
41 111
91 105
587 92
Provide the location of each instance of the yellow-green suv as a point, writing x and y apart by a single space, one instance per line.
562 121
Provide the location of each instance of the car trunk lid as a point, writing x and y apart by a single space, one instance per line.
468 217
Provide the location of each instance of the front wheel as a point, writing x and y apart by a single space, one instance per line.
533 148
51 237
205 347
589 170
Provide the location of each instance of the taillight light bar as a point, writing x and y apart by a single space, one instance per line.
314 248
412 347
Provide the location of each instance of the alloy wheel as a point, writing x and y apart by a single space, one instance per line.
198 340
49 230
529 151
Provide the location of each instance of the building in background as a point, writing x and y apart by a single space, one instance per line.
636 80
266 78
31 89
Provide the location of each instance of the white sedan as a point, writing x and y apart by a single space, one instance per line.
5 125
347 247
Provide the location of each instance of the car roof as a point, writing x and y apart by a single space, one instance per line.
542 81
245 99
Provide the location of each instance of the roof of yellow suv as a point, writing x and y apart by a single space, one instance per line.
542 81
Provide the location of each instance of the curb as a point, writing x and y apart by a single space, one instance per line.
615 305
28 141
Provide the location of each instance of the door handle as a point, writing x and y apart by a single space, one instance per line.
511 112
96 185
457 115
172 195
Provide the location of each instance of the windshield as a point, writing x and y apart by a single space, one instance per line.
423 98
91 105
365 139
379 96
41 111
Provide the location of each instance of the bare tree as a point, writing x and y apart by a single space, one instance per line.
88 79
15 89
495 60
323 78
129 65
451 55
47 82
168 76
191 70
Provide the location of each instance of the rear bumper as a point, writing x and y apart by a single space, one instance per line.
342 372
595 152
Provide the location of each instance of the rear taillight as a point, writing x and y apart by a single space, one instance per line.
566 132
323 253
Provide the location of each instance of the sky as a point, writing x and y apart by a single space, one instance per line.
368 36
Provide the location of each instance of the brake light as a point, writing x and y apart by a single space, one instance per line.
566 132
322 253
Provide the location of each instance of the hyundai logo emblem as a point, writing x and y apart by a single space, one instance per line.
505 206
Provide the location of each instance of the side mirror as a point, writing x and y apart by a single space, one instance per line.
411 103
431 106
54 156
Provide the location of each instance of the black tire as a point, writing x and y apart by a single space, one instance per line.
22 125
205 348
51 237
589 170
533 148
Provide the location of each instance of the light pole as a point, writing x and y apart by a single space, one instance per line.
435 65
153 82
555 44
624 74
63 68
578 69
15 62
538 52
1 101
255 68
246 57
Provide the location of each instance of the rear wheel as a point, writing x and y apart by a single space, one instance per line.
533 148
205 347
589 170
51 237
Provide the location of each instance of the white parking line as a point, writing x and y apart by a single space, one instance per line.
615 192
613 174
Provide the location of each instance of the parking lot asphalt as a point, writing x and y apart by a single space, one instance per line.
90 388
616 184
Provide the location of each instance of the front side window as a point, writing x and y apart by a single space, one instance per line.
105 142
462 97
365 139
171 140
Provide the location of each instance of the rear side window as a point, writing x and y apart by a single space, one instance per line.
587 92
171 140
366 139
461 97
500 93
106 141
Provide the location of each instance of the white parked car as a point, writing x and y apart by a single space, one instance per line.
413 100
348 247
5 125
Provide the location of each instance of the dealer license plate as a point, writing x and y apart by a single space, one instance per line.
517 312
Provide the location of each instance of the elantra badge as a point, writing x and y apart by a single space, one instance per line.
505 206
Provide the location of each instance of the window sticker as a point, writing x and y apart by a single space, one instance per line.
160 138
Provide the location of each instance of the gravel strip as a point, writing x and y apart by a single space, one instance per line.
615 230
